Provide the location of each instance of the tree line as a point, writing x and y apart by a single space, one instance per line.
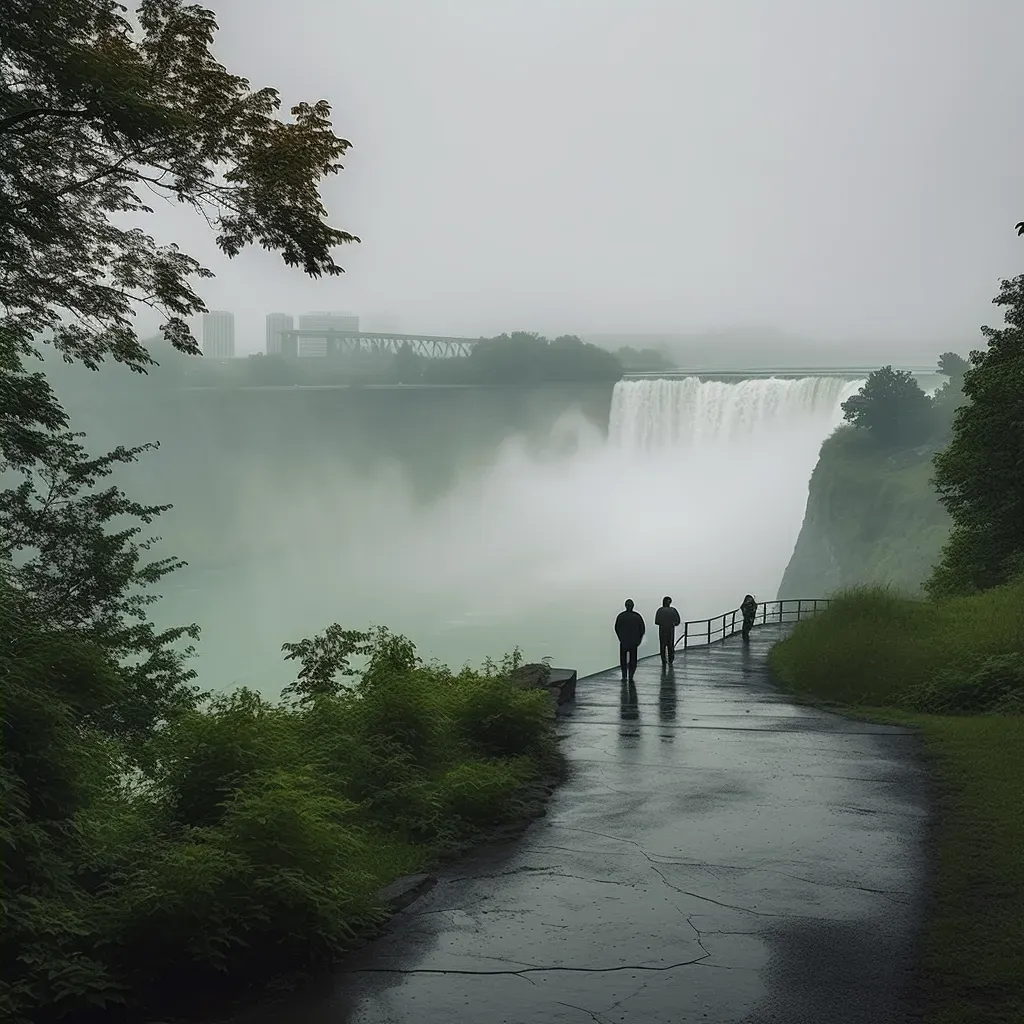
975 422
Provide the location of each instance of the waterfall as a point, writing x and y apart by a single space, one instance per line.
650 415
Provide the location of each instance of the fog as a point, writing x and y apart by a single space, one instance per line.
743 184
471 520
837 171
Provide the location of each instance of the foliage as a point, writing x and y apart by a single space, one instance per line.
495 721
978 476
93 113
153 838
520 358
71 561
996 685
526 358
55 765
978 890
948 398
891 406
406 366
974 760
872 517
476 794
256 835
873 647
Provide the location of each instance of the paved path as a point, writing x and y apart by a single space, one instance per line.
718 855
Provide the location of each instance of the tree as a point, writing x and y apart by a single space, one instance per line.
953 366
406 365
891 406
525 357
92 114
96 115
950 396
980 475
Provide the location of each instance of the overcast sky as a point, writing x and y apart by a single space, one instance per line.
835 168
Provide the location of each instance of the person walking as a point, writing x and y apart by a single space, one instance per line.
749 610
629 628
666 618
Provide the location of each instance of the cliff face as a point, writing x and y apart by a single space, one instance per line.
872 517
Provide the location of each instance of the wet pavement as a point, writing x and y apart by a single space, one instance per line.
718 854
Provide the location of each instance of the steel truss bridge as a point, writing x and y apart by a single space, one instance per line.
348 343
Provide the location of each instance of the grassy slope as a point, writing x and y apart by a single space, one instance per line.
872 518
972 966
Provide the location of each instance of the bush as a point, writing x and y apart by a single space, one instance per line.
497 718
255 835
205 756
480 793
995 686
405 711
874 648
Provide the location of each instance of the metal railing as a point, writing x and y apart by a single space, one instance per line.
701 632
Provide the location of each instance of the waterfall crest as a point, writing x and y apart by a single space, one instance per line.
648 415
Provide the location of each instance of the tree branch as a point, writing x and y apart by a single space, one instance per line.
15 119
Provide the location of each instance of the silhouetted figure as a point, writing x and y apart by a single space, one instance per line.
666 618
749 610
629 628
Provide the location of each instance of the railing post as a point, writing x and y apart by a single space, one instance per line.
709 631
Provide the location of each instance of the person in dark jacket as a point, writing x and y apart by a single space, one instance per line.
749 610
666 618
629 628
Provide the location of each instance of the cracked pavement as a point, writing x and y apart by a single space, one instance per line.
718 854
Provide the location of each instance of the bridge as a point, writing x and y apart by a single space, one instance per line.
350 342
779 373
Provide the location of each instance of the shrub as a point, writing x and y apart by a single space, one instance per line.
497 718
872 647
482 793
407 711
204 756
277 881
253 835
995 686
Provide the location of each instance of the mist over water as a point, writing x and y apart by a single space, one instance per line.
697 491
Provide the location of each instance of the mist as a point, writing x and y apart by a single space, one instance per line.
837 171
745 185
472 520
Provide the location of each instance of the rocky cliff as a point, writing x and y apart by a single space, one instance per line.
872 517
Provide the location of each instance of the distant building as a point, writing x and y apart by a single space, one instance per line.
219 335
276 323
343 323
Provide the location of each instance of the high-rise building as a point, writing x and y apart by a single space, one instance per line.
343 323
219 334
276 323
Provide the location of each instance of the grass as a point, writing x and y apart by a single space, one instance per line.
872 647
873 651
